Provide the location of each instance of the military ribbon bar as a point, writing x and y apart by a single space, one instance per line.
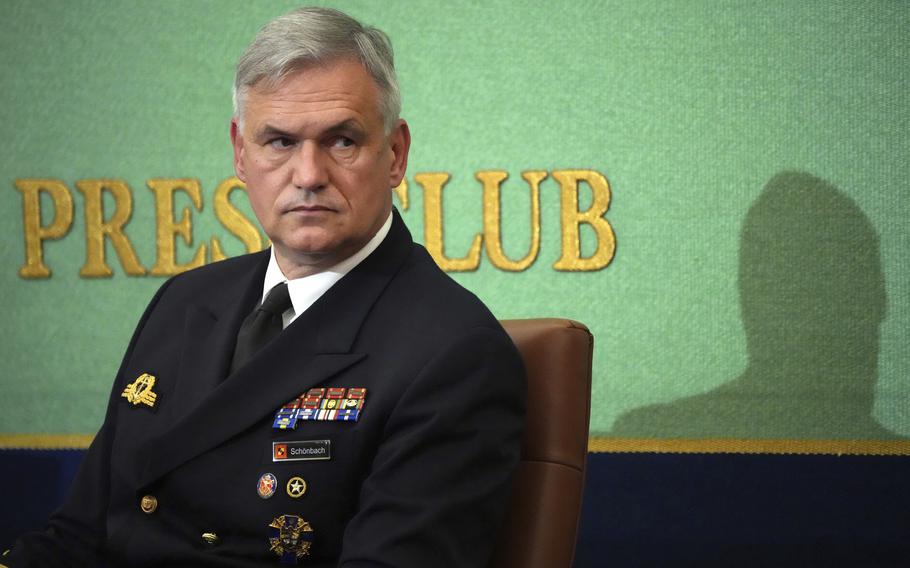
326 404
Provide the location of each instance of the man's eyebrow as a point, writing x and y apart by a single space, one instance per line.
349 125
345 126
269 131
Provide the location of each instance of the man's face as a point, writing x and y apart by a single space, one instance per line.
318 165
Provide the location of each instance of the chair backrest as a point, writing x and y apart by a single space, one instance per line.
541 522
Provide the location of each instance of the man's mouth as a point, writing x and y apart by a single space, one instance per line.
310 209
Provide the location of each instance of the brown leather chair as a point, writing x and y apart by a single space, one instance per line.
542 517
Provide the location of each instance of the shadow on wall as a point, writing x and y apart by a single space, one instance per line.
812 295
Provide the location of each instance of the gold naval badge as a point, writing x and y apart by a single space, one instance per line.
140 391
291 538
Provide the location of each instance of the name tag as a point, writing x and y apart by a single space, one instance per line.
303 450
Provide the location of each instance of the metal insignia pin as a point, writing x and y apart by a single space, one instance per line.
267 485
291 538
140 391
296 487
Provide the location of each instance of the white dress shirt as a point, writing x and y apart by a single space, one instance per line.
305 291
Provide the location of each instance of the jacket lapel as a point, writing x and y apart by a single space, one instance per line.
310 351
210 331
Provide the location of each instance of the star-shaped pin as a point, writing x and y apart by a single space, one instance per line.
296 487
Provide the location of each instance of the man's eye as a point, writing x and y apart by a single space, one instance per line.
342 142
280 143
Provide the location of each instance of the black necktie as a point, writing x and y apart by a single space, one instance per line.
261 325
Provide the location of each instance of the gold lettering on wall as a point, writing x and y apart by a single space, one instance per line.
233 220
571 220
102 226
35 232
97 229
492 218
168 228
401 191
433 184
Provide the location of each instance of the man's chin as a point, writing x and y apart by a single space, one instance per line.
306 237
306 247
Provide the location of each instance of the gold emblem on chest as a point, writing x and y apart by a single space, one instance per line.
140 391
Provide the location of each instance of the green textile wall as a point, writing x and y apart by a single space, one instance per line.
757 156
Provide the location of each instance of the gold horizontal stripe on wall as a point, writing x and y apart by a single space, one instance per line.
739 446
596 444
45 441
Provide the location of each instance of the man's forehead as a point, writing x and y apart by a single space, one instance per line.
337 73
331 92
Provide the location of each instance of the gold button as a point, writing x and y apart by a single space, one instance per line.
210 539
148 504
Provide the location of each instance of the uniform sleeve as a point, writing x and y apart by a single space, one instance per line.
439 483
76 533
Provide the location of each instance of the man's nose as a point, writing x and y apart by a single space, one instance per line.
308 165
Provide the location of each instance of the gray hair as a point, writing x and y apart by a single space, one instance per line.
314 35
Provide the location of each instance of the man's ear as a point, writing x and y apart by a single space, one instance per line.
400 144
237 143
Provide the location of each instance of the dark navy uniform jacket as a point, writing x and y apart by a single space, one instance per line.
419 480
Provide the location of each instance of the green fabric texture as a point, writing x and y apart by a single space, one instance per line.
757 155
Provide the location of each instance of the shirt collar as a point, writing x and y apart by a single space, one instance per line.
305 291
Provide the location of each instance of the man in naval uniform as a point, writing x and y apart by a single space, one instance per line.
335 400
